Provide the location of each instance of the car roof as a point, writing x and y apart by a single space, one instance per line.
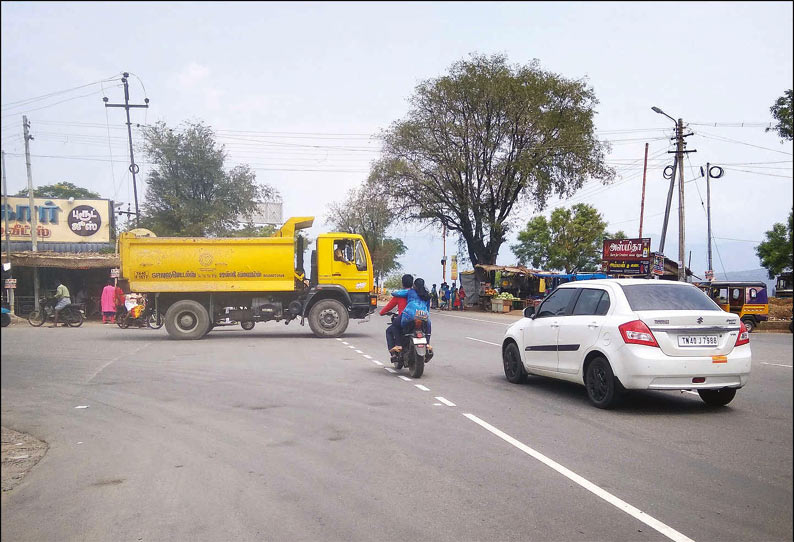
622 282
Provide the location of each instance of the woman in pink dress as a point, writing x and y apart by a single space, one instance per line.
108 303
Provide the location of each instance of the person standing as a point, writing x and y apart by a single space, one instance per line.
108 303
444 295
62 300
453 296
433 298
461 296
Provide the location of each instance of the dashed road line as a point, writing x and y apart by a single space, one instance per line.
478 320
636 513
445 401
482 341
367 356
405 378
421 387
359 352
390 370
376 362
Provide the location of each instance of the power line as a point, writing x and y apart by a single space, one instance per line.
13 105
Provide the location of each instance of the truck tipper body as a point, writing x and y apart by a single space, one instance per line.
197 283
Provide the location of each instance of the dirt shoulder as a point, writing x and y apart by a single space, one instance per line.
20 453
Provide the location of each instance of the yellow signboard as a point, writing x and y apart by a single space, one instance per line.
454 267
58 220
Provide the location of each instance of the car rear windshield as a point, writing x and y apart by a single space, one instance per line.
671 297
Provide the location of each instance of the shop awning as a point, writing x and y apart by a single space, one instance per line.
61 260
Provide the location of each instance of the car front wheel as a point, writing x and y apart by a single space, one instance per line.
600 383
514 367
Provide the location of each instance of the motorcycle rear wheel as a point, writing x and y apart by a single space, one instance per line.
36 318
74 318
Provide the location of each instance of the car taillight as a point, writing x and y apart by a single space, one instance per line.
744 335
636 332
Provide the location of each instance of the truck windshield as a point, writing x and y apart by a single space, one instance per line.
361 257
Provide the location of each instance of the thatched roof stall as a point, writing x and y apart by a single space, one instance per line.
63 260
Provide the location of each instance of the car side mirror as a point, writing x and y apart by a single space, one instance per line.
529 312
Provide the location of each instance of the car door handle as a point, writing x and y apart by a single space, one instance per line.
554 324
593 325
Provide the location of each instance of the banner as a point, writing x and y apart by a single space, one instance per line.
658 264
627 249
627 267
454 267
58 220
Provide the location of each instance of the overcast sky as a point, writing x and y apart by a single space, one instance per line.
300 91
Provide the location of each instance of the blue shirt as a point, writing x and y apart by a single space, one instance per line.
415 303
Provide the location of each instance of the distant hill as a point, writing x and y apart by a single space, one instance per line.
750 274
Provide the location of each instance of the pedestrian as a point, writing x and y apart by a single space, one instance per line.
118 298
453 296
433 298
108 302
461 296
444 295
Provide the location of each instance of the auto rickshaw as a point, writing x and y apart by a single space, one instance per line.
746 299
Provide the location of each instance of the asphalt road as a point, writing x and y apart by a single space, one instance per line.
272 434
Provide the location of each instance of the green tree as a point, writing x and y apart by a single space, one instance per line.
776 251
393 282
571 239
784 115
484 137
366 211
189 193
62 190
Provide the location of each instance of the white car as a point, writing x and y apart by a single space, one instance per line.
614 335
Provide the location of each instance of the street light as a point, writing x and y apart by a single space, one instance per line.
657 110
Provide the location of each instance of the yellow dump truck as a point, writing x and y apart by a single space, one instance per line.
198 283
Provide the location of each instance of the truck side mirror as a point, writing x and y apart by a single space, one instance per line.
529 312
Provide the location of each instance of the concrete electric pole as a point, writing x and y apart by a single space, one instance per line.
34 222
133 166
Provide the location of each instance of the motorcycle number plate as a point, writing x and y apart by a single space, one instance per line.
420 341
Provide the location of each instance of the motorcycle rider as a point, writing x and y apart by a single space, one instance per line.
393 331
62 300
417 308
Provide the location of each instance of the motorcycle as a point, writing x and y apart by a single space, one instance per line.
140 315
69 315
415 352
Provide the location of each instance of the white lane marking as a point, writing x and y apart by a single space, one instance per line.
437 404
776 364
482 341
390 369
636 513
405 378
359 352
376 362
366 356
338 339
81 406
105 366
343 342
421 387
476 319
351 346
448 403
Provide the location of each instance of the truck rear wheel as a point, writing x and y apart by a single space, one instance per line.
187 320
328 318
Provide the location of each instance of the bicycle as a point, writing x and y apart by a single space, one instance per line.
70 315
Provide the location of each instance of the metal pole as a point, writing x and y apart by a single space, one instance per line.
708 210
34 223
133 167
667 208
644 172
10 293
681 226
444 257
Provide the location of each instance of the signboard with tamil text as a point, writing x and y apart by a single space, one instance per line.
627 249
624 267
58 220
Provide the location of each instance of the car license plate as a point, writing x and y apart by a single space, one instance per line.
420 341
697 340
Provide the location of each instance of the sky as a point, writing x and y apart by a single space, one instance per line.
301 91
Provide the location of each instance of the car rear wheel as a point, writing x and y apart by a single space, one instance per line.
513 366
720 397
600 383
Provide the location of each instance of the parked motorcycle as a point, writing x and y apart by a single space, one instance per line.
69 315
415 352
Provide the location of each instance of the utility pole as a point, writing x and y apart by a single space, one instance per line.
133 166
681 229
8 234
444 257
718 173
34 222
667 207
644 172
679 161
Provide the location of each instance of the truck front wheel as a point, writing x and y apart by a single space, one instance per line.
186 320
328 318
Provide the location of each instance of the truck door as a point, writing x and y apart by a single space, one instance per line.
350 267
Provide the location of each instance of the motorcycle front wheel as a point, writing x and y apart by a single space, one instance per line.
36 318
155 320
